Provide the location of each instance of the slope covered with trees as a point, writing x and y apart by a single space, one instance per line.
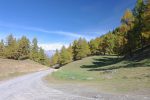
22 49
133 34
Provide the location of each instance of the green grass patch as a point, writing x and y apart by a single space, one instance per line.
108 73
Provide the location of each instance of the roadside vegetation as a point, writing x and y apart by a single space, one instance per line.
86 61
106 73
11 68
19 56
90 62
21 49
131 36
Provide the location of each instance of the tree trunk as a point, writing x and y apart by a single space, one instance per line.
129 45
142 45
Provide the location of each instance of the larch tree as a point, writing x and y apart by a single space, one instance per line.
75 49
138 12
2 46
103 45
34 50
65 56
11 48
93 44
41 56
83 49
23 48
55 58
70 50
146 30
128 21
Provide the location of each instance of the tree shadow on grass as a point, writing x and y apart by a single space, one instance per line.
106 63
101 62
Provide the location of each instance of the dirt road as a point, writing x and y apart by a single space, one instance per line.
32 87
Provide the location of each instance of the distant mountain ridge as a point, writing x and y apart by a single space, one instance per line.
50 53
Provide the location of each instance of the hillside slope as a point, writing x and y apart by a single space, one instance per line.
107 73
10 68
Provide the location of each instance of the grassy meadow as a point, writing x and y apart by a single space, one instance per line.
107 73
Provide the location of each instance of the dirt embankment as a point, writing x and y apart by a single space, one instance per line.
11 68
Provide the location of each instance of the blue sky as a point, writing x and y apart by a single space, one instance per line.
58 22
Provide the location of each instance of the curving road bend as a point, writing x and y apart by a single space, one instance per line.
31 87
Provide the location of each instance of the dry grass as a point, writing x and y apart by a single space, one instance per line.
11 68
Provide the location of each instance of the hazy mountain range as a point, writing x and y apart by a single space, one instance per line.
50 53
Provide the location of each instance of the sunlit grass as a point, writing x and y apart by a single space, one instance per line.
108 73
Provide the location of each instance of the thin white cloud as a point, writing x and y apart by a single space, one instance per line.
53 46
72 34
64 33
59 32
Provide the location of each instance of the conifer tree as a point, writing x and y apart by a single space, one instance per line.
128 21
56 58
41 56
11 48
65 56
138 12
23 48
70 50
146 29
75 49
2 48
103 44
34 50
93 44
81 49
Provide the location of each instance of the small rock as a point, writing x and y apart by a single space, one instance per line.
90 78
72 77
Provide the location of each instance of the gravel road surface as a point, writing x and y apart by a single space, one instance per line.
32 87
